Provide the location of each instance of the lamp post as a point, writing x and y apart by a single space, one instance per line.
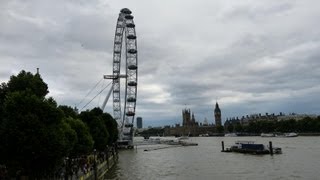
67 169
95 164
107 155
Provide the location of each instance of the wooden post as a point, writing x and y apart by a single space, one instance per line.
270 148
222 144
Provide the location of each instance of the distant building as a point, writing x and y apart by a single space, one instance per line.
188 120
217 115
205 122
139 122
296 117
245 120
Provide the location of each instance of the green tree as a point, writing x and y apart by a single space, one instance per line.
3 92
238 127
220 129
33 136
84 142
100 128
253 127
287 126
230 128
68 111
26 81
112 127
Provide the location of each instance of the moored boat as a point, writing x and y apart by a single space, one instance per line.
204 135
267 135
251 148
231 135
292 134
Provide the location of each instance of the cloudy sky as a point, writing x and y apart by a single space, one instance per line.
251 56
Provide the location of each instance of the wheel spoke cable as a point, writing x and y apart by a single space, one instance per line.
89 92
96 96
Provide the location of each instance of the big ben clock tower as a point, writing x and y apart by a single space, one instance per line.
217 115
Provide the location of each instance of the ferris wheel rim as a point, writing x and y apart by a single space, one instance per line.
125 29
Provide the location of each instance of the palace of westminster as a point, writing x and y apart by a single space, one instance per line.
192 128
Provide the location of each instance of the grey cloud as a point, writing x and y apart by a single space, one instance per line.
250 56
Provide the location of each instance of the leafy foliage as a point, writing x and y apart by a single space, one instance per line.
32 134
307 125
84 141
103 127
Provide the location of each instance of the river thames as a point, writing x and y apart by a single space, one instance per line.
300 160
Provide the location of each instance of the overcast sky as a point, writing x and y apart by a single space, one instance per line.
251 56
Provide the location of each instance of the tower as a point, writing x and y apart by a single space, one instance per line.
217 115
139 122
186 119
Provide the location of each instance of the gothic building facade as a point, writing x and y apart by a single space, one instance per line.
188 120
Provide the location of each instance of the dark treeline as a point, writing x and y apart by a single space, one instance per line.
305 125
36 134
152 132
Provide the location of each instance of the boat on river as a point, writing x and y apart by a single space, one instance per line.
230 135
250 147
267 135
292 134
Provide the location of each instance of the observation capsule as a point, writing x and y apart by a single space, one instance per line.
128 17
130 113
131 36
132 67
127 133
132 51
132 83
131 25
128 125
125 11
131 99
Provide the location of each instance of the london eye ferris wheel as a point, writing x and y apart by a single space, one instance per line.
124 95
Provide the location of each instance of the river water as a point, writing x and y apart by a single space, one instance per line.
300 160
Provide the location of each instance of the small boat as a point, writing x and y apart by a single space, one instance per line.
292 134
250 147
185 143
183 137
267 135
231 135
204 135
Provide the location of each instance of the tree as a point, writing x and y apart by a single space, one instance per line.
3 92
238 127
230 127
253 127
33 136
84 142
26 81
99 125
220 129
68 111
112 127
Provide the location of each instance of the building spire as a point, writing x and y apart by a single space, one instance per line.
217 114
